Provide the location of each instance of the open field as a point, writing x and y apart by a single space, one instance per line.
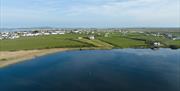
42 42
118 40
173 43
121 42
167 42
96 43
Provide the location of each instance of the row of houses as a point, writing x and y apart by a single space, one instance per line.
15 35
39 33
8 35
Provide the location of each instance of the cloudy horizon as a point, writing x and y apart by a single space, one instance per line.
90 13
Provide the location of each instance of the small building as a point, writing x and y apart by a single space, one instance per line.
29 34
46 33
61 32
91 37
76 31
13 37
156 44
176 38
1 38
54 33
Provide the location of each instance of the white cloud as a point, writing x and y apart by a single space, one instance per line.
140 11
128 12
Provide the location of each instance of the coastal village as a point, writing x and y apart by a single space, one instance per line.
90 32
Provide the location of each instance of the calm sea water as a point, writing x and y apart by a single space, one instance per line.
96 70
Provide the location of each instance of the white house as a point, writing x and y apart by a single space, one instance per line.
60 32
37 34
157 44
5 35
54 33
176 38
29 34
173 38
76 31
91 37
14 37
46 33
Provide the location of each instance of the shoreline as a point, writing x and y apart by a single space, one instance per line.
8 58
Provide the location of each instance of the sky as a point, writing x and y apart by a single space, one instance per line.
89 13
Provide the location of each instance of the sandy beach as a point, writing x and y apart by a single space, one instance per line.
11 57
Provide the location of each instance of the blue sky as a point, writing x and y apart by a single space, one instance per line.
90 13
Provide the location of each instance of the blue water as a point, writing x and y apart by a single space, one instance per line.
96 70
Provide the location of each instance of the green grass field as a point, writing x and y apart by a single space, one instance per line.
96 43
122 42
119 40
161 39
173 42
41 42
136 39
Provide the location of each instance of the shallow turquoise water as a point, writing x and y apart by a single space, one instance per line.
96 70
